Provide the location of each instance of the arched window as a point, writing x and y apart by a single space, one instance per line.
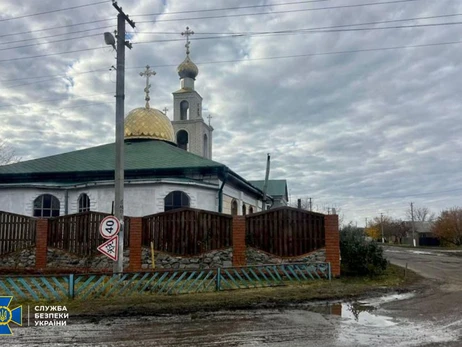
176 199
250 209
244 210
206 146
182 139
234 208
46 206
84 203
184 110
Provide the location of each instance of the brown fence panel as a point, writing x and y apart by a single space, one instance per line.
79 233
16 232
285 231
187 231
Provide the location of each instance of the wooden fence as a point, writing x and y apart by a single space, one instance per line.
79 233
16 232
187 231
285 231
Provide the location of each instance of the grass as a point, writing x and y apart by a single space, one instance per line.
337 289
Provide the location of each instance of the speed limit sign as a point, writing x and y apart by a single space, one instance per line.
109 227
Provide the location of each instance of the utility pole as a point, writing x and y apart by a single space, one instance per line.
120 157
299 203
265 186
413 229
311 205
381 225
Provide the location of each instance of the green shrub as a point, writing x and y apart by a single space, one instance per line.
360 257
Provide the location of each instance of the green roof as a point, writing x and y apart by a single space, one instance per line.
139 155
275 187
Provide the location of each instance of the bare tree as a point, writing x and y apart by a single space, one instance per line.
421 214
7 154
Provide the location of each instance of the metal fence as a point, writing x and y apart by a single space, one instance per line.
86 286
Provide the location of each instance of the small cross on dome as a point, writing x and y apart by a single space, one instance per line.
187 33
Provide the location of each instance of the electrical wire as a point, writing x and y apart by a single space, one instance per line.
266 58
228 8
56 35
59 99
54 11
222 16
278 12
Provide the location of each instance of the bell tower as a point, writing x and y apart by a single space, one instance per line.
191 132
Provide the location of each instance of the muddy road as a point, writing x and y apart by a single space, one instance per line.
429 317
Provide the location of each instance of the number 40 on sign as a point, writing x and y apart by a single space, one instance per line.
109 227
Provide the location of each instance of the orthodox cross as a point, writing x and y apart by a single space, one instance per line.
165 110
209 118
187 33
148 73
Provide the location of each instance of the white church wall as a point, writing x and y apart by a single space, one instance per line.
139 200
21 200
230 193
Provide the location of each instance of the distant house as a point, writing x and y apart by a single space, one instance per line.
277 189
423 233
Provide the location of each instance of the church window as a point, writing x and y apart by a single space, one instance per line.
182 139
206 146
46 206
250 209
244 210
184 110
234 208
176 199
84 203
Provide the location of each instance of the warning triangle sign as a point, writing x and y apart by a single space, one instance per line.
110 248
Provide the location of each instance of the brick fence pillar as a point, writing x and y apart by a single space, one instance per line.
41 244
136 225
332 243
239 248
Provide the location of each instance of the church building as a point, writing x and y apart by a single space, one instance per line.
168 165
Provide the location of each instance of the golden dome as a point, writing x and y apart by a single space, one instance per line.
188 69
148 123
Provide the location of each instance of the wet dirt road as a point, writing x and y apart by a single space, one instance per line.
429 318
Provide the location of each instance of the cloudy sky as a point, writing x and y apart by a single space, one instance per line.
359 102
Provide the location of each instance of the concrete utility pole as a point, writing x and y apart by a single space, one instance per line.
381 225
120 98
265 185
413 228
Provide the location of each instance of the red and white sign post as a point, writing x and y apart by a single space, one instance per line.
109 229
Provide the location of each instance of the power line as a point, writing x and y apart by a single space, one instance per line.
267 58
278 12
51 54
301 31
235 33
58 27
54 11
184 19
48 42
56 35
268 33
228 8
59 99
